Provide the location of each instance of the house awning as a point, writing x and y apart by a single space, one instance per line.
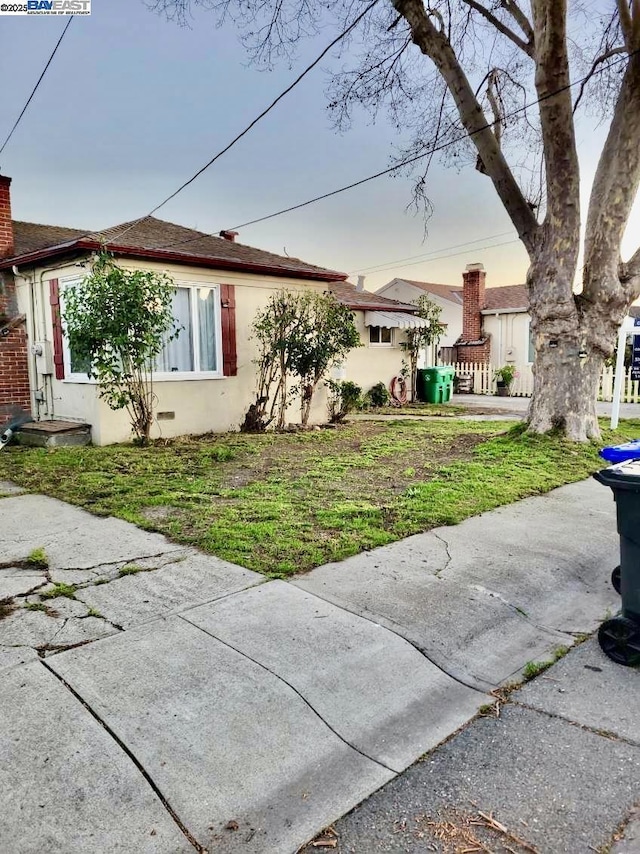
394 320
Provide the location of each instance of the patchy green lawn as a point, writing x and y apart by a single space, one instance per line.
284 503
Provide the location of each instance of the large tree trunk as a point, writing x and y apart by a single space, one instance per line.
565 391
566 370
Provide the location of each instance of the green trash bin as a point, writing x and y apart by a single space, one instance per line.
437 384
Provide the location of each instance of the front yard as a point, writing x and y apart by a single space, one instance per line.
282 503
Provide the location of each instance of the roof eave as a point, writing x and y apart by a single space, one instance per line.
159 255
407 309
490 311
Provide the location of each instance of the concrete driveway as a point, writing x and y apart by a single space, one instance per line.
168 701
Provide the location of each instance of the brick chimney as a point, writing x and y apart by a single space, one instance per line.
229 235
472 301
6 225
474 345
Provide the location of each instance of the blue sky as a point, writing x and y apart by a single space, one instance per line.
133 105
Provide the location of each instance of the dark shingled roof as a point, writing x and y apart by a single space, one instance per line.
349 295
155 238
32 237
506 298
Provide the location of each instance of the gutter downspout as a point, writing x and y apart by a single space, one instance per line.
31 334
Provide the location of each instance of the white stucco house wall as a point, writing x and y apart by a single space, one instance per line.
206 379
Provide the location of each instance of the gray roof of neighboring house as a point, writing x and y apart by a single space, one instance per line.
506 298
448 292
503 298
350 296
160 240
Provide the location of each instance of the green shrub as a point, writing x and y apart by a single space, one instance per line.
344 397
377 396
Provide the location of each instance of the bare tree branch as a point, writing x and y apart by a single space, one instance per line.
631 270
598 61
503 28
626 23
552 82
615 185
437 47
519 17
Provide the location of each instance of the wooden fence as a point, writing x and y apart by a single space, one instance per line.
522 386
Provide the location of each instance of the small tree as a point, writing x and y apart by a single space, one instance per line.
325 335
117 322
299 335
274 328
418 339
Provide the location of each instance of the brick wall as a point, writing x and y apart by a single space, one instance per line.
474 354
14 375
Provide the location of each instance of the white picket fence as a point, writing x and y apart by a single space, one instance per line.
522 386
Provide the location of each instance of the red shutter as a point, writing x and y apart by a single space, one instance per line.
54 302
229 354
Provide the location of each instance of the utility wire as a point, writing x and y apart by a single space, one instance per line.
450 255
255 121
424 255
35 88
434 149
409 160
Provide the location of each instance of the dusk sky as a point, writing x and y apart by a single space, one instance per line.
132 105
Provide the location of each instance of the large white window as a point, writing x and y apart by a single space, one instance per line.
198 347
197 351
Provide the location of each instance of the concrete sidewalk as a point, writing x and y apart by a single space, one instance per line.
168 701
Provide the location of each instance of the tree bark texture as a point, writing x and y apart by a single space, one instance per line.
573 333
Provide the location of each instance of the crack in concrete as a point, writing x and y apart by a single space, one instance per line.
492 594
171 555
445 543
128 752
296 691
57 632
482 686
603 733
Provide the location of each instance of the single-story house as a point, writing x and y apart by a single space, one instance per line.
208 376
484 324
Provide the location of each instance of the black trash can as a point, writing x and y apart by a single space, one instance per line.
619 637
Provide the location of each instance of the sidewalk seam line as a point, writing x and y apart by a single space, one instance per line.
296 691
608 734
376 621
128 752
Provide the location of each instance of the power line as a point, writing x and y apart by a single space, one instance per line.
409 160
434 149
450 255
379 174
258 118
35 88
423 255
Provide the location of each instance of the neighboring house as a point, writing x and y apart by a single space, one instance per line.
447 297
208 374
483 324
381 323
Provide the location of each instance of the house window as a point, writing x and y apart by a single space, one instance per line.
380 335
195 353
